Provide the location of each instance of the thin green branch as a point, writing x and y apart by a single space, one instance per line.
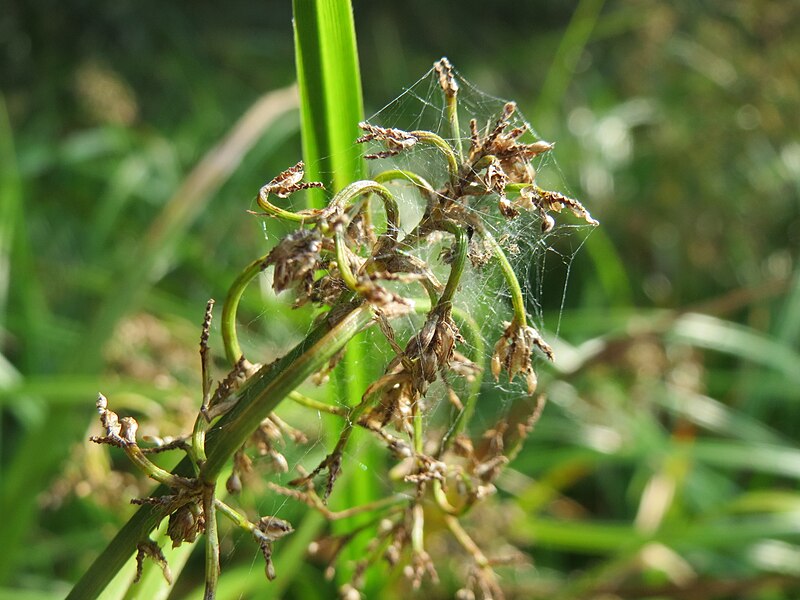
230 340
455 128
304 400
459 258
212 543
153 471
303 217
440 144
403 175
234 516
345 198
517 300
343 261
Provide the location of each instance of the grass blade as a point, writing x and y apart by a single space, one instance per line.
330 92
331 108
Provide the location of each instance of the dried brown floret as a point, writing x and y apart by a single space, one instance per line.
381 298
325 290
296 258
128 428
502 157
447 81
554 201
396 393
185 523
495 179
408 376
427 469
332 463
149 549
288 182
421 565
270 529
396 140
512 352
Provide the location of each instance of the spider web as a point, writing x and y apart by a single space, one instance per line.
541 260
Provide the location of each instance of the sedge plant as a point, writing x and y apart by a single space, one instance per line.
362 266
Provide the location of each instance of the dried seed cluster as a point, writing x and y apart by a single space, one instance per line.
339 259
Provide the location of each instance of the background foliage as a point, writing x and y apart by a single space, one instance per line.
666 464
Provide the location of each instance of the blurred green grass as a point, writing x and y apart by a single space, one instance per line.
667 458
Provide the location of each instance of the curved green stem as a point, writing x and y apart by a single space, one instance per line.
276 211
233 351
402 175
428 137
431 290
457 264
343 262
441 498
345 197
153 471
517 301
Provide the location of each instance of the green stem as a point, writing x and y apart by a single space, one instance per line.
198 449
233 351
277 380
138 458
441 498
451 101
235 516
418 434
343 262
257 398
428 137
517 300
466 541
403 175
212 543
458 262
276 211
375 506
304 400
345 197
417 529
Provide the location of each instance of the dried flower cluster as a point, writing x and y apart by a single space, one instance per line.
338 259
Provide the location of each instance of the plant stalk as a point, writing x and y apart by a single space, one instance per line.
257 398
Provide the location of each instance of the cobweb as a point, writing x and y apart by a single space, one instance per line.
541 260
